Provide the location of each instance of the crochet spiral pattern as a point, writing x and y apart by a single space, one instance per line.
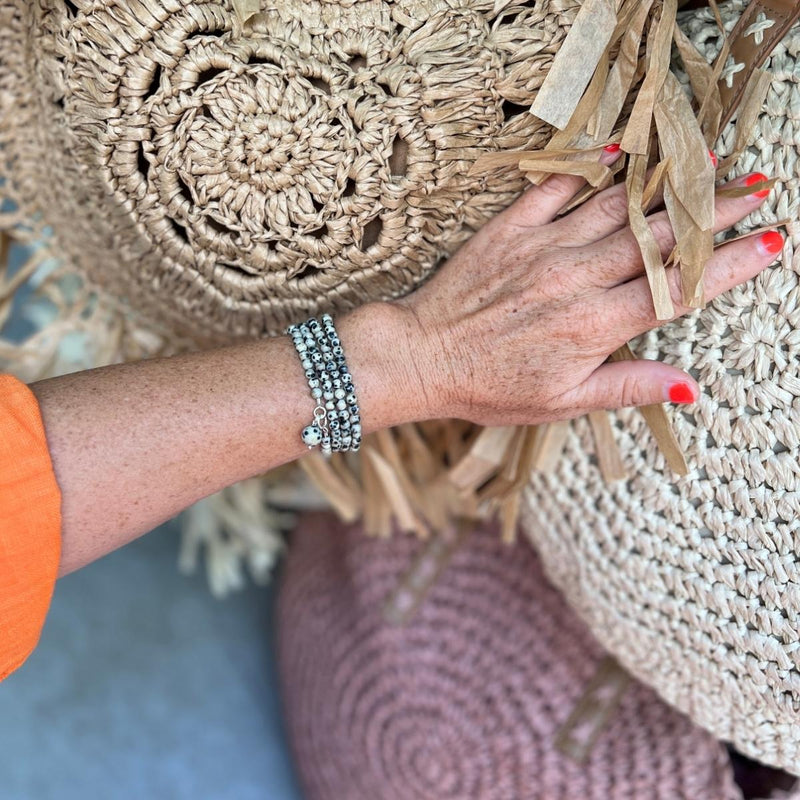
465 701
692 583
246 178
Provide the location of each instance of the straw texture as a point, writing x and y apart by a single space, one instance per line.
692 582
466 700
229 173
208 171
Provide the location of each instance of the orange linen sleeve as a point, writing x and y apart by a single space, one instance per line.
30 524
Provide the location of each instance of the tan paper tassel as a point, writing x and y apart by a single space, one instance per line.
637 133
705 85
424 461
575 63
574 132
651 252
746 191
620 80
549 444
388 444
655 184
377 513
608 455
347 503
395 493
482 459
509 516
492 161
502 483
689 191
246 9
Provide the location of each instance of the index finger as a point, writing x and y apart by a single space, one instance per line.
540 205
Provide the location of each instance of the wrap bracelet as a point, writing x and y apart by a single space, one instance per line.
336 425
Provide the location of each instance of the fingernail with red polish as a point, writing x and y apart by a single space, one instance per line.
752 180
714 159
681 393
770 244
612 148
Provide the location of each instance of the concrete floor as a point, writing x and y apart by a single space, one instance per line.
144 686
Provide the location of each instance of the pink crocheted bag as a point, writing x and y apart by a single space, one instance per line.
474 698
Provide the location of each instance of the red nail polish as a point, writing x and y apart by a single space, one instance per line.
681 393
612 148
752 180
714 159
771 243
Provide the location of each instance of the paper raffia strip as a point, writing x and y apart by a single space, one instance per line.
575 63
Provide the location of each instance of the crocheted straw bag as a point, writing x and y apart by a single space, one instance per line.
213 170
693 582
490 691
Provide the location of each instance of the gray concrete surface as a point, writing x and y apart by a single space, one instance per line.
144 686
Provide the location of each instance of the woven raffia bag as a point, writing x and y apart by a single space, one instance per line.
693 582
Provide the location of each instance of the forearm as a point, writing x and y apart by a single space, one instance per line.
132 445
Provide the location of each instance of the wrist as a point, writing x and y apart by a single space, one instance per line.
383 348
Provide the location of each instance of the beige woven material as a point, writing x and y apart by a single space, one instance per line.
694 583
230 178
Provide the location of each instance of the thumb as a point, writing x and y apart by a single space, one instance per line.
633 383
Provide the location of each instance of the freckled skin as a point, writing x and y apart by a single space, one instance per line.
132 445
528 311
514 329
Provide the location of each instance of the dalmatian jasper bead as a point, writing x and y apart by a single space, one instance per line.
312 435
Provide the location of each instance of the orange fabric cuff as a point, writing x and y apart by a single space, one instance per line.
30 524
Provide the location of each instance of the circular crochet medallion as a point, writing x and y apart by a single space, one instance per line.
230 176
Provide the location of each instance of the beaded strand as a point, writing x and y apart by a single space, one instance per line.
337 419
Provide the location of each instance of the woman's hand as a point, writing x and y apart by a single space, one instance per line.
516 327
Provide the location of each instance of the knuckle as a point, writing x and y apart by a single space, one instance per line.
556 187
662 231
613 206
552 281
632 392
586 327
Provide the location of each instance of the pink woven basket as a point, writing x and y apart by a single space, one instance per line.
466 700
